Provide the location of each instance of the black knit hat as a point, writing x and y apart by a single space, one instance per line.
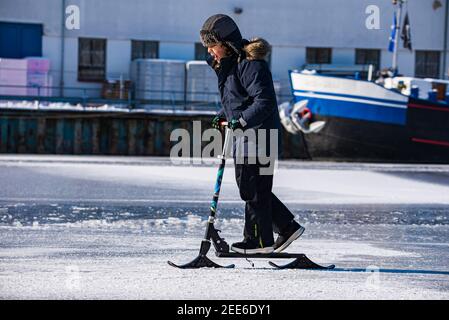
220 28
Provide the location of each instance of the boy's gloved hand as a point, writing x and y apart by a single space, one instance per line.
216 122
234 124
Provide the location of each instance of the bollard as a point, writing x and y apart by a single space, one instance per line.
414 92
433 95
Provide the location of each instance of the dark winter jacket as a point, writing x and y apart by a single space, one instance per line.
247 92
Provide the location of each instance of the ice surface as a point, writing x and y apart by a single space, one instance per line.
104 227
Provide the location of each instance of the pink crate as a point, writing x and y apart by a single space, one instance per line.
13 64
12 91
23 73
13 77
43 81
37 79
13 72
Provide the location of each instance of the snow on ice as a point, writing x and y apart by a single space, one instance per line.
104 227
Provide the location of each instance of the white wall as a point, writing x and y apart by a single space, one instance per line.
51 48
334 23
289 25
446 72
285 58
118 57
406 63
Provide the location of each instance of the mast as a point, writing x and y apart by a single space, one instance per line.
445 73
394 65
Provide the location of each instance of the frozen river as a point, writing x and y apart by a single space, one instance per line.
104 227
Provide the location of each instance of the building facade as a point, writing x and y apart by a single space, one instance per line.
113 32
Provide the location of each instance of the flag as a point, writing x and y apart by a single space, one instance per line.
393 34
406 35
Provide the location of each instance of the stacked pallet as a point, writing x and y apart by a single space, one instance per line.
39 80
201 82
13 77
25 77
116 89
158 79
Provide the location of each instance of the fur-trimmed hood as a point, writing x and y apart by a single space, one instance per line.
220 28
256 48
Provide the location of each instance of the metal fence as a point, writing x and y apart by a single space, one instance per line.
91 97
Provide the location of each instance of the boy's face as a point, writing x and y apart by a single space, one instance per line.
217 51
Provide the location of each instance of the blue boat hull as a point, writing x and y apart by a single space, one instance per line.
367 122
413 135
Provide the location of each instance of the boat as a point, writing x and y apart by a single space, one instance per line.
389 119
365 121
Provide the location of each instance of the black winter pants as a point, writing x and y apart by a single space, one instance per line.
264 212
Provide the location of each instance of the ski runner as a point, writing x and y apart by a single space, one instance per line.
249 103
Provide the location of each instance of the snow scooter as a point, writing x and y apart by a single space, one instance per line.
222 248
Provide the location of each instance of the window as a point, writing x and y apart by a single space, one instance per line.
200 51
427 64
91 59
144 49
368 56
318 55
